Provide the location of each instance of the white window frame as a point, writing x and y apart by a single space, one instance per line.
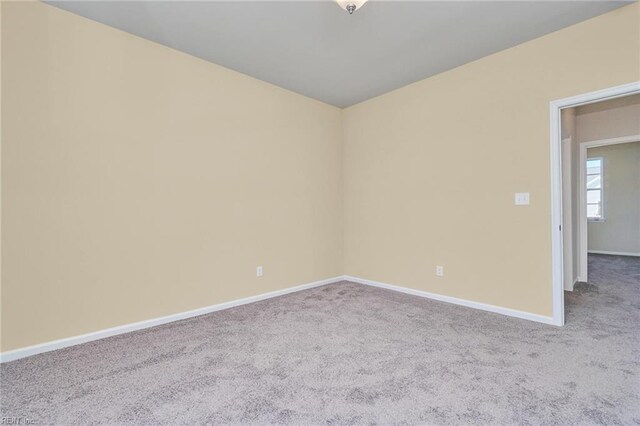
601 189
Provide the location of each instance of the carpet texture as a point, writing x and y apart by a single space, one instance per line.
351 354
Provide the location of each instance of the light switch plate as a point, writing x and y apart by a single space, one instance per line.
522 198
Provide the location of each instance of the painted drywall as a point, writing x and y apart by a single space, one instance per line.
610 119
620 231
431 169
138 181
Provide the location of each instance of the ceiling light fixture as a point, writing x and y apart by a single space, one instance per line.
351 5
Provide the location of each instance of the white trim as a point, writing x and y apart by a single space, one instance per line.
557 255
612 141
462 302
577 280
583 269
567 213
141 325
583 222
614 253
573 285
127 328
556 183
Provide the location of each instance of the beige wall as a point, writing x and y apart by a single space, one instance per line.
620 231
609 119
138 181
432 168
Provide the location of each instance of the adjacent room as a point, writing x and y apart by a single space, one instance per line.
613 185
613 215
601 189
320 212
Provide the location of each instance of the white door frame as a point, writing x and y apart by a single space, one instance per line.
568 179
557 264
582 195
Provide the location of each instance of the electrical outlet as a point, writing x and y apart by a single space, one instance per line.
522 199
259 271
440 271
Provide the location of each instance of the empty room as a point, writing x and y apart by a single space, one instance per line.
320 212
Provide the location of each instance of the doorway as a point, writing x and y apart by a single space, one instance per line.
609 218
568 179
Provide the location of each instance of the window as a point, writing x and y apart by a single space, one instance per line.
595 185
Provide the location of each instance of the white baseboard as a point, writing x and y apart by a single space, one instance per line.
615 253
573 285
468 303
127 328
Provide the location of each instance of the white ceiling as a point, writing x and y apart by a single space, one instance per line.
317 49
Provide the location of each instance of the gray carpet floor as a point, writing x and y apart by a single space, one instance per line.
350 354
